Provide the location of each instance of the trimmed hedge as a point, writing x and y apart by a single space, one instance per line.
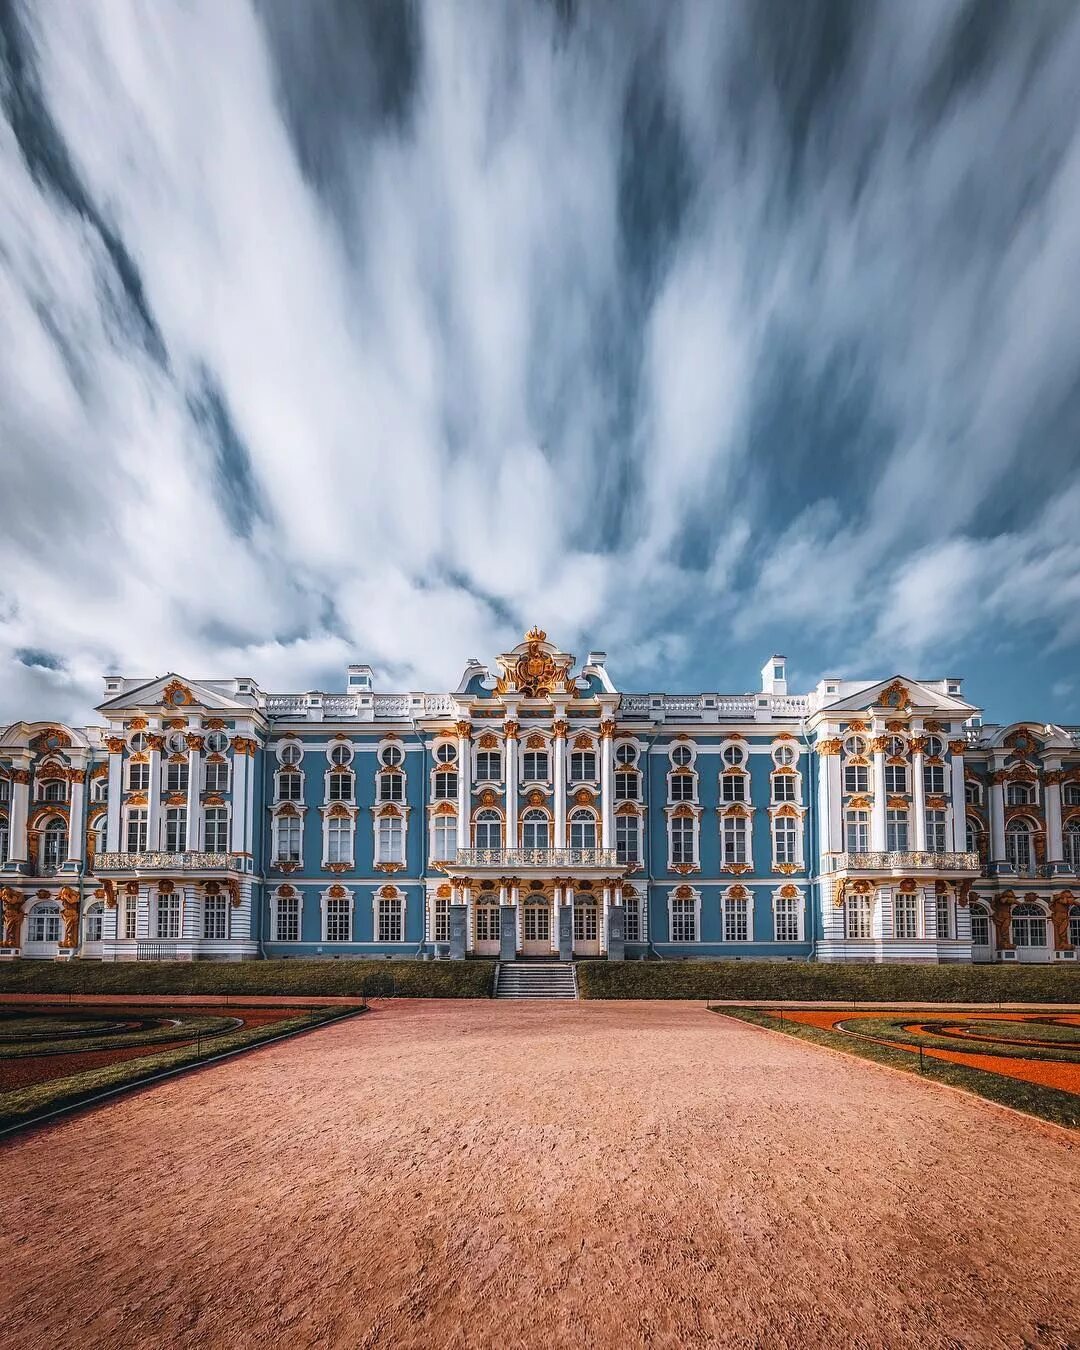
373 979
811 980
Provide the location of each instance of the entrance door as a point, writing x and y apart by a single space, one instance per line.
487 930
537 939
1029 933
586 929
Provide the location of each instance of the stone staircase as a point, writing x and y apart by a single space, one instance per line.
536 979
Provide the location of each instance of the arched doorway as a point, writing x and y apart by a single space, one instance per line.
536 924
586 925
1030 932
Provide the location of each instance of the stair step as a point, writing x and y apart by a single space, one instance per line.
536 980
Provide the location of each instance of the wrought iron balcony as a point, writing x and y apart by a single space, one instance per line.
536 857
905 862
167 862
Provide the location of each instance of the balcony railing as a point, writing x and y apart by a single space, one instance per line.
905 862
536 857
167 862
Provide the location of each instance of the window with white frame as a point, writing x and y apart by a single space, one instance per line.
896 778
943 916
785 839
906 915
168 916
855 745
934 778
784 787
487 829
535 829
683 840
487 919
339 786
784 756
129 916
390 839
971 837
735 840
1028 926
1020 794
627 785
733 786
935 831
534 766
136 830
682 787
856 778
631 917
681 756
338 918
289 830
137 742
5 789
175 829
896 830
216 776
733 756
138 777
176 743
786 911
683 919
92 924
446 753
445 785
444 838
582 829
339 839
52 790
176 775
441 920
1071 842
488 766
391 786
980 927
392 756
54 844
627 838
391 925
895 746
4 841
583 766
857 831
736 919
972 793
290 754
287 919
215 917
857 916
45 922
99 790
289 785
341 756
217 742
1018 848
1070 794
1074 925
216 830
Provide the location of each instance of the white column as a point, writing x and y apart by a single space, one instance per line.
604 920
959 811
918 793
556 905
518 901
238 819
618 894
153 796
20 809
464 731
1055 850
249 814
511 731
607 811
76 816
503 891
115 795
828 801
997 819
877 815
194 800
470 941
559 748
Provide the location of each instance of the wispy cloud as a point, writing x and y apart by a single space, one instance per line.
335 332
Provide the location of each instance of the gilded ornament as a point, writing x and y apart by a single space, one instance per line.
511 730
155 742
896 696
12 906
336 867
195 742
607 729
115 745
535 672
878 744
918 744
488 741
684 892
535 742
138 724
856 724
789 892
337 892
958 747
463 729
560 728
176 694
20 775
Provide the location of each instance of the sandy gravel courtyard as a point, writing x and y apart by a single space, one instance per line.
528 1174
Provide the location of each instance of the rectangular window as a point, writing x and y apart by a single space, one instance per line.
340 787
626 787
339 838
783 787
736 922
288 786
855 778
534 766
681 787
176 776
896 831
390 840
683 921
338 920
896 778
786 920
857 827
217 775
288 919
445 838
391 787
857 916
215 917
632 918
131 909
627 839
735 840
138 777
441 932
980 928
176 829
934 779
935 831
906 915
446 785
288 839
136 832
943 914
216 830
733 787
392 921
785 839
583 766
682 839
488 766
168 916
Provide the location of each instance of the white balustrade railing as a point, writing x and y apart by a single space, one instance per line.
904 862
167 862
536 857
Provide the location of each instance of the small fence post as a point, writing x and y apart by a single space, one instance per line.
922 1061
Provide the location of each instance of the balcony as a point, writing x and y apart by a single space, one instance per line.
168 862
904 862
536 857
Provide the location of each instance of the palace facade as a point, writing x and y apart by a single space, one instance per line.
540 812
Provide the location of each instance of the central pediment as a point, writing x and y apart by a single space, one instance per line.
536 668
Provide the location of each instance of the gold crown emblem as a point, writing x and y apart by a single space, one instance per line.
536 635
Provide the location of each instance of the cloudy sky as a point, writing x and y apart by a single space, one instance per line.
361 330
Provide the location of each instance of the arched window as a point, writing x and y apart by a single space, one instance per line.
980 926
215 916
971 837
216 830
1028 926
582 829
1020 794
1074 925
488 829
1071 841
857 916
99 790
98 833
54 844
53 790
1018 845
92 922
535 831
45 922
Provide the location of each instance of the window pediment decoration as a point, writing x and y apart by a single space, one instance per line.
736 810
536 742
896 803
389 893
487 797
444 809
895 726
176 799
444 891
583 797
935 803
52 738
336 892
788 892
488 741
788 809
1022 742
628 809
390 810
176 694
681 812
51 770
286 891
339 811
583 742
99 771
737 892
859 803
684 892
535 668
536 798
1022 773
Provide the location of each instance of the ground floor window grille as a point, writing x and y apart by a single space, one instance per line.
168 916
857 915
632 920
487 923
980 927
441 930
585 925
339 920
943 915
391 920
288 919
683 921
787 920
45 923
905 915
215 917
736 921
935 831
1028 926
